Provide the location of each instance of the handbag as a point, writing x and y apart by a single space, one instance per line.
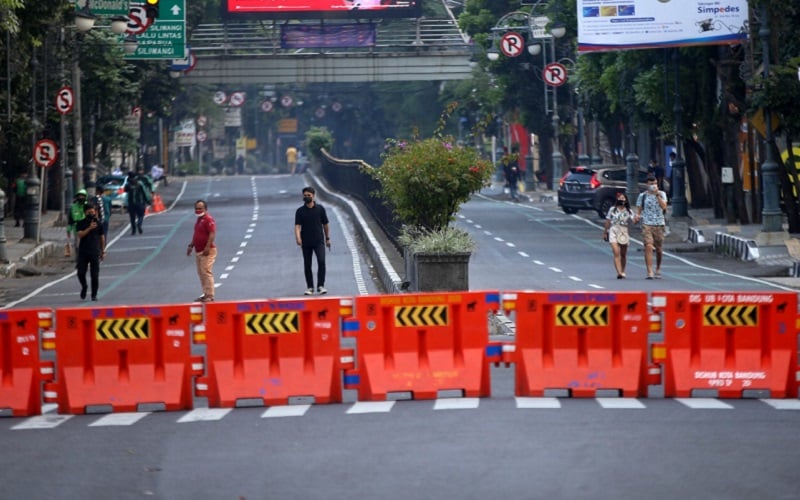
621 235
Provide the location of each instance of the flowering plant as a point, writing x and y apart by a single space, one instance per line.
425 181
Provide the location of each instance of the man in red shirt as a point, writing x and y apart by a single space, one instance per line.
205 231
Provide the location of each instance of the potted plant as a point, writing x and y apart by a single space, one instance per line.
425 181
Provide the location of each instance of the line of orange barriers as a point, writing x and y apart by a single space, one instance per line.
406 346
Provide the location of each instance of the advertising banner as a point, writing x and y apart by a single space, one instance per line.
305 36
605 25
185 134
290 9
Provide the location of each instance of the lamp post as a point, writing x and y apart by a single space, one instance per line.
771 217
679 205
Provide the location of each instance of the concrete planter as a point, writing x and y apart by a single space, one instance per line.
437 272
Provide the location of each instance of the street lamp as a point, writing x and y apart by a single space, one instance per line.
771 216
538 29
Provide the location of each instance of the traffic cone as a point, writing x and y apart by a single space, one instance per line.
158 205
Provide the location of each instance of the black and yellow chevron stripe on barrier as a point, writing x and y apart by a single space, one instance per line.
719 315
122 329
261 323
582 315
420 316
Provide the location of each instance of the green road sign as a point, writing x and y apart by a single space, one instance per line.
105 8
166 37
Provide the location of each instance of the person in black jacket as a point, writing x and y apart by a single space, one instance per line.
312 234
91 249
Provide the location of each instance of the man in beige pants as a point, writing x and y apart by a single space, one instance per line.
205 231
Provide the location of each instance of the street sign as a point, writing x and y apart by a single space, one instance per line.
286 101
512 44
202 136
166 37
266 106
220 97
65 100
555 74
106 8
237 99
45 153
201 121
138 22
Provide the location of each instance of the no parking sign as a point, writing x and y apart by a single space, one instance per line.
45 153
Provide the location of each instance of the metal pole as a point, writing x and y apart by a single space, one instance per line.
62 163
3 240
771 217
30 231
557 159
77 174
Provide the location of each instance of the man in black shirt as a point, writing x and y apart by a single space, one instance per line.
91 249
312 235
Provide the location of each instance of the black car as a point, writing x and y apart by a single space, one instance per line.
576 189
596 188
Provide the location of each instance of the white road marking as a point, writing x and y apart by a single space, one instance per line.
620 403
456 404
537 403
285 411
523 254
119 419
704 403
204 415
42 422
555 269
575 278
371 407
508 243
783 404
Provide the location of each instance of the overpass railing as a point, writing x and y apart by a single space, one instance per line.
245 38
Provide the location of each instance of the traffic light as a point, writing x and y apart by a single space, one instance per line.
151 8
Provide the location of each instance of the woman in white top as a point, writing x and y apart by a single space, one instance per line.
616 232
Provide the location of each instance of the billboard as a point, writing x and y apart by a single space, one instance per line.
646 24
320 9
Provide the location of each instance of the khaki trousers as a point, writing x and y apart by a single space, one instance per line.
205 270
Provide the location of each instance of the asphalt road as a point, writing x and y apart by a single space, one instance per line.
443 448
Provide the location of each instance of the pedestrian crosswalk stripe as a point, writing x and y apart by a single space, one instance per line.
286 411
204 415
704 403
620 403
538 403
42 422
371 407
456 404
118 419
783 404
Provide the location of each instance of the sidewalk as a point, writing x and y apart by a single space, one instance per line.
52 237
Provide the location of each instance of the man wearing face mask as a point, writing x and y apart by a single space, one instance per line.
651 205
91 249
311 232
205 231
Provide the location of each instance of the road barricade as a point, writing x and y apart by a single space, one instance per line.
21 369
419 344
579 344
728 345
124 358
274 352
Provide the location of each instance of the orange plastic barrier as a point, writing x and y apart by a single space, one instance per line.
123 358
21 369
728 345
579 343
266 352
421 344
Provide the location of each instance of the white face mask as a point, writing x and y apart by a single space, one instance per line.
200 214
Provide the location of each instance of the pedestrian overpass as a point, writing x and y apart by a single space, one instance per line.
250 52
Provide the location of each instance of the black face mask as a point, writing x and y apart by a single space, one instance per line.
307 199
620 203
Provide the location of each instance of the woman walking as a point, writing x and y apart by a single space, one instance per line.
616 232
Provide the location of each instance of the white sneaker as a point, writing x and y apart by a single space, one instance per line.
321 290
310 291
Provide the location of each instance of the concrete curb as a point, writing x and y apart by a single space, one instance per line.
42 251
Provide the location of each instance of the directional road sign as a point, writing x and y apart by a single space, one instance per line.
555 74
65 100
166 37
45 153
512 44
